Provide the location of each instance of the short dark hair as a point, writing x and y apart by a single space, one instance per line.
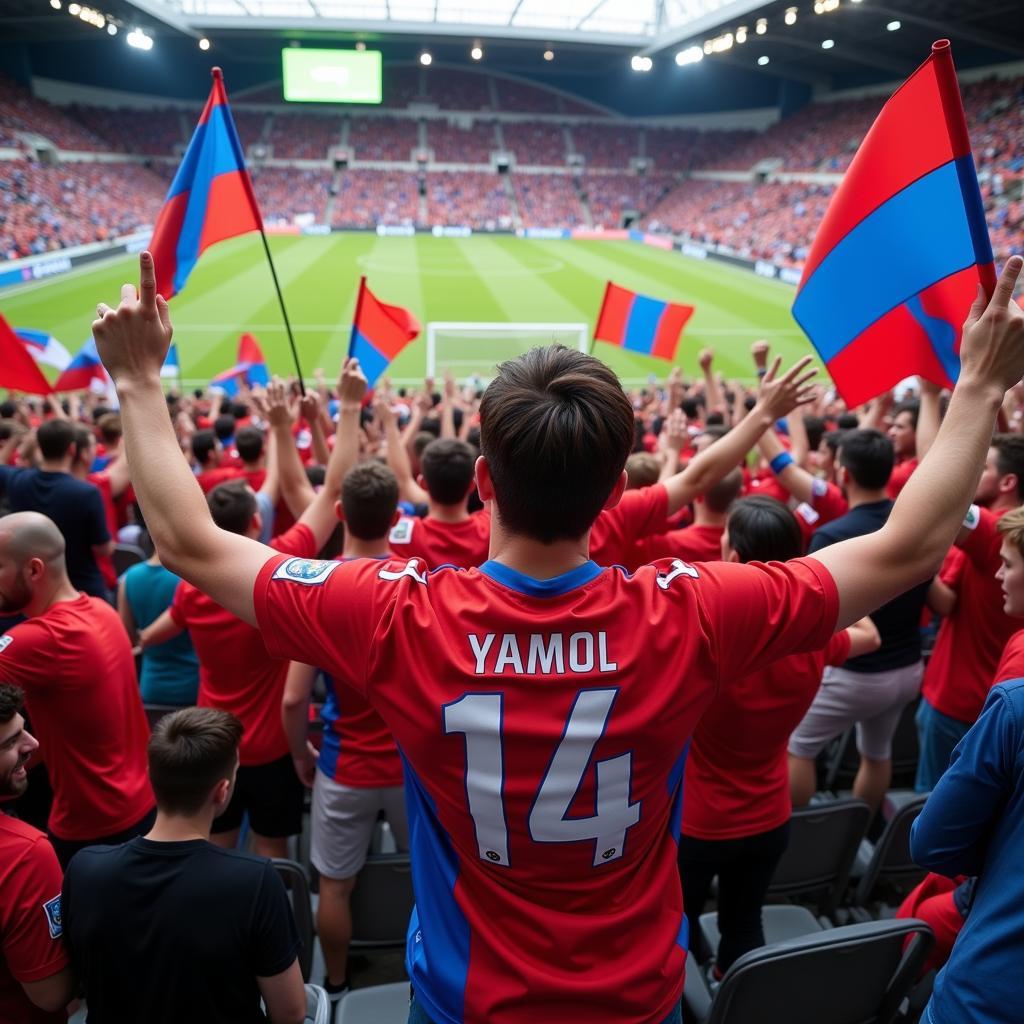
224 426
110 428
12 700
642 469
84 437
232 505
762 529
239 410
8 409
556 429
847 421
1010 457
691 408
911 406
203 444
719 497
868 456
447 468
249 442
815 427
190 751
421 440
369 497
834 439
55 438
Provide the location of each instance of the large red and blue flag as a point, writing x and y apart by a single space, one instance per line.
250 366
641 324
210 199
18 370
379 332
897 260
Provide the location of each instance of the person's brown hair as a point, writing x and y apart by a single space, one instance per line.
643 470
1010 458
232 505
719 497
447 468
109 426
190 751
1011 526
12 700
369 497
556 429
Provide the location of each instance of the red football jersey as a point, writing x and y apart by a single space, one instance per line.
1011 664
235 673
101 481
972 637
75 665
638 514
901 473
691 544
31 947
543 726
438 543
737 774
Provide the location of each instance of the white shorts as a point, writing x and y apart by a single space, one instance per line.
873 701
343 818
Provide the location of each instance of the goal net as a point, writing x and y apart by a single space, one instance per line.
475 349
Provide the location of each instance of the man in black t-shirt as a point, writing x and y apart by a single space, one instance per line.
872 690
168 927
76 506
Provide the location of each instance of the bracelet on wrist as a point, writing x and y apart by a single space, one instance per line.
780 462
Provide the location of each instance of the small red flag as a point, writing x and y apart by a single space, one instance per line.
18 370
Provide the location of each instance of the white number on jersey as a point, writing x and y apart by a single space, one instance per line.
479 717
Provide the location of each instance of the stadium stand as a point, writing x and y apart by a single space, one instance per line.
606 145
548 200
157 134
382 138
468 198
536 142
609 196
285 193
367 198
454 144
303 136
20 111
452 89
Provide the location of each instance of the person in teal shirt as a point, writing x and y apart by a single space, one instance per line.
170 671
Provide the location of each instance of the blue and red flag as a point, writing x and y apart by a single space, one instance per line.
18 370
897 260
83 370
44 348
210 199
250 366
379 332
641 324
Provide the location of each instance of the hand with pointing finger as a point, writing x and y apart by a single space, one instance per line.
992 346
133 339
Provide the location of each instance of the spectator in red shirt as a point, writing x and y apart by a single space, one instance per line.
736 805
36 983
903 434
74 661
208 454
975 628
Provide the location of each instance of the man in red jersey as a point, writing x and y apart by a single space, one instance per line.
1011 580
357 774
235 673
35 981
74 661
903 434
542 704
975 628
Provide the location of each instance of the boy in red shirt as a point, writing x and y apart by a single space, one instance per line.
73 659
542 704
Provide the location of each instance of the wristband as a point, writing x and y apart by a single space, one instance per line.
780 462
762 371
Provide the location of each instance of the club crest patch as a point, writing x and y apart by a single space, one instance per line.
53 919
5 641
971 521
401 532
311 571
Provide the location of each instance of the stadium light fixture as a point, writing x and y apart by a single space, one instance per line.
55 4
790 16
640 63
360 46
74 10
138 40
426 59
204 44
761 26
827 44
549 54
762 61
691 55
894 26
741 34
111 29
719 44
477 53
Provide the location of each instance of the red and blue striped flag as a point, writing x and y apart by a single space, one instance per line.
897 260
641 324
210 199
379 333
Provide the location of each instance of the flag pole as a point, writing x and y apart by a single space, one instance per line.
284 312
600 312
355 316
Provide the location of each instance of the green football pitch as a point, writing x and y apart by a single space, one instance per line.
479 279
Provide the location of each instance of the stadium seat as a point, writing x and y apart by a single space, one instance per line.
890 860
858 974
382 902
297 884
380 1004
318 1006
125 556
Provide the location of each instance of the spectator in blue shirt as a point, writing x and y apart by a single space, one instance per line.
973 824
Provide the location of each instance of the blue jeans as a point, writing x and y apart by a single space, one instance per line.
937 735
417 1016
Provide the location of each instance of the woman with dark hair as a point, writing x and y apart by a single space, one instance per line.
736 805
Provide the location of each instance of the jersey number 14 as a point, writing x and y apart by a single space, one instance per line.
479 717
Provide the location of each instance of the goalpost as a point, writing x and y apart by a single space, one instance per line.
475 349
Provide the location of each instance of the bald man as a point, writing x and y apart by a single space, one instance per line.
74 661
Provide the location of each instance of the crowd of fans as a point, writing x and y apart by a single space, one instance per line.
609 196
535 142
368 198
726 638
285 193
383 138
548 200
304 136
455 144
606 145
471 198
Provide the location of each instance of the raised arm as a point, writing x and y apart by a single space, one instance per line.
398 456
929 417
797 480
873 569
279 411
777 398
132 341
712 389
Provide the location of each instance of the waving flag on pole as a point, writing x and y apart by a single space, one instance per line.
250 366
897 260
210 199
379 332
44 348
84 371
641 324
18 370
